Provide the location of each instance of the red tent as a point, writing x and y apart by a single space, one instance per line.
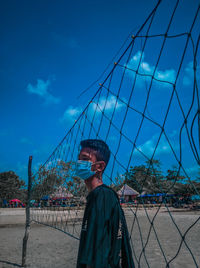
15 200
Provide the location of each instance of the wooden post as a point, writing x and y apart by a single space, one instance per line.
27 226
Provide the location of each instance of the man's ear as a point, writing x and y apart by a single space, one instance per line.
100 166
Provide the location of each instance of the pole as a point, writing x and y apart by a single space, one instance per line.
27 226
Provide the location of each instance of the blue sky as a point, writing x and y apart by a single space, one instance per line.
53 50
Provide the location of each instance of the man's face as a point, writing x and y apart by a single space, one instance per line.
87 154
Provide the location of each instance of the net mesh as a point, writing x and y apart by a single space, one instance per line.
147 110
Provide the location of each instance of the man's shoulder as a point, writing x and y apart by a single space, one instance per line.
104 190
104 198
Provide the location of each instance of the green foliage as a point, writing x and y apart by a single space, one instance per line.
148 178
143 178
173 174
76 186
47 181
11 187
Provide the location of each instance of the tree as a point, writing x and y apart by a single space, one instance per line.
47 180
135 177
146 178
149 178
174 174
76 186
11 187
153 166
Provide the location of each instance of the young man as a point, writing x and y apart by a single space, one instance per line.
104 241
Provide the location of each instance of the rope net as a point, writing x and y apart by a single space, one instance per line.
147 110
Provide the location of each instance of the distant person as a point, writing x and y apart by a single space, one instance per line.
104 241
5 203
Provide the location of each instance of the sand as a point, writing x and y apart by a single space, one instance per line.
48 247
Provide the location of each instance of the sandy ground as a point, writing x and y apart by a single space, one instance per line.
48 247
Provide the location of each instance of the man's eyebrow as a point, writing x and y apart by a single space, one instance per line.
85 156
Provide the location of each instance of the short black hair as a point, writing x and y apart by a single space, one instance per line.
101 148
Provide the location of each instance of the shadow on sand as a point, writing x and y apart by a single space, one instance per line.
11 263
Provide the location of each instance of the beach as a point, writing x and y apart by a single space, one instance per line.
159 231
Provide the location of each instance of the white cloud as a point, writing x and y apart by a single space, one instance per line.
173 133
41 89
189 74
146 68
167 75
149 146
71 114
193 171
107 104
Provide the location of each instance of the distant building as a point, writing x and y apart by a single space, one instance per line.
126 193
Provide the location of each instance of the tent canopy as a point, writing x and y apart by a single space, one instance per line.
156 195
15 200
45 198
127 190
